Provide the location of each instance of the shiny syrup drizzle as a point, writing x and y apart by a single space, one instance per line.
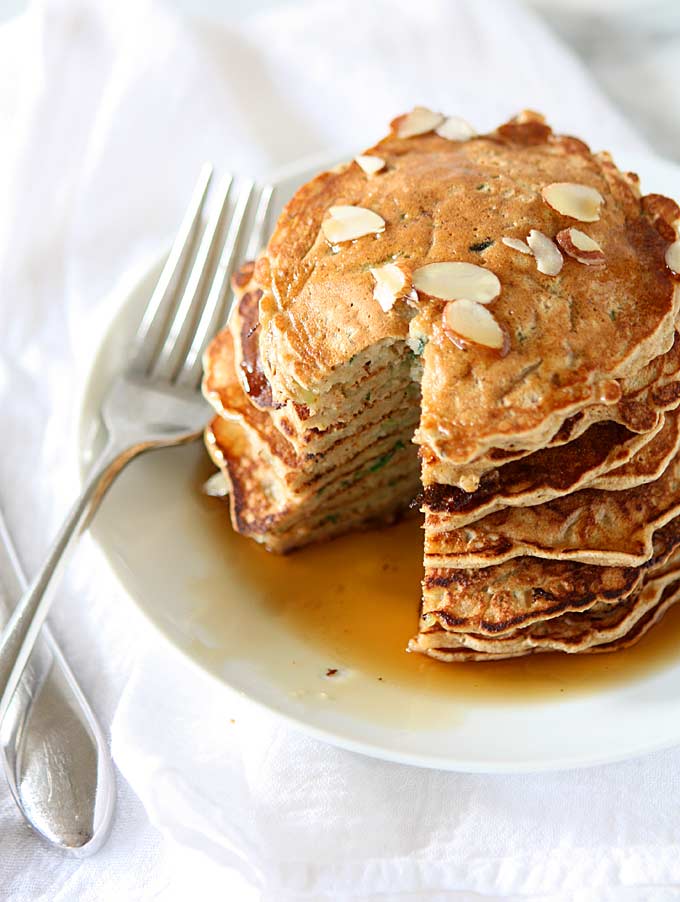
355 599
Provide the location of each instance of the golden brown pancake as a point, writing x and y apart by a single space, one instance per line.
505 597
368 435
638 628
544 475
602 624
499 600
367 477
570 335
549 464
649 463
377 494
646 396
592 526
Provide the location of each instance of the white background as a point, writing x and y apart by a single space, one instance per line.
632 48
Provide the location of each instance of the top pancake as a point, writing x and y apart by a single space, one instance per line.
570 335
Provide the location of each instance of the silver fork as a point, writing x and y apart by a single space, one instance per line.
156 401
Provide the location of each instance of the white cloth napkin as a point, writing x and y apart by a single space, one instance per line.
106 111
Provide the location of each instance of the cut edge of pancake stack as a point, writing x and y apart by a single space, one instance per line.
487 323
295 476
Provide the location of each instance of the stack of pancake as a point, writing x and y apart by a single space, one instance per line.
299 473
488 324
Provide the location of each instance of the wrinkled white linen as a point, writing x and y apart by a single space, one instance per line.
106 111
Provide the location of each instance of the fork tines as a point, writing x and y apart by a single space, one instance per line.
189 303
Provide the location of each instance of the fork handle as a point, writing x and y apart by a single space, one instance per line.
22 629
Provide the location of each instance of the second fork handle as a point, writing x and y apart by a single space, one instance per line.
22 629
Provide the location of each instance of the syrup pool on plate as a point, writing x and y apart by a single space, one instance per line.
356 600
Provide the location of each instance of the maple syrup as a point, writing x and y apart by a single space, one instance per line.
356 600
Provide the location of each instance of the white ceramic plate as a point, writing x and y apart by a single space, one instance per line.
202 587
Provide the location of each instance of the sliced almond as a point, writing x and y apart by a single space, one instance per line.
243 275
571 199
470 321
451 281
217 486
455 129
582 241
581 247
664 214
345 223
673 257
527 133
517 245
419 121
390 283
549 260
370 164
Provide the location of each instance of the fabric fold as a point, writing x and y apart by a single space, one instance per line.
107 111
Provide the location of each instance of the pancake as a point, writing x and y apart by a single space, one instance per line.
377 392
504 597
391 337
317 310
592 526
368 435
545 475
646 396
602 624
649 463
376 495
275 498
460 653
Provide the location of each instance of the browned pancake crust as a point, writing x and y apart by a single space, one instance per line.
591 526
569 335
646 396
544 475
499 599
259 510
640 625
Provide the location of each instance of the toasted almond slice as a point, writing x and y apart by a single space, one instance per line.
455 129
664 214
517 245
451 281
345 223
673 257
370 164
470 321
571 199
419 121
581 247
216 486
549 260
582 241
390 282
